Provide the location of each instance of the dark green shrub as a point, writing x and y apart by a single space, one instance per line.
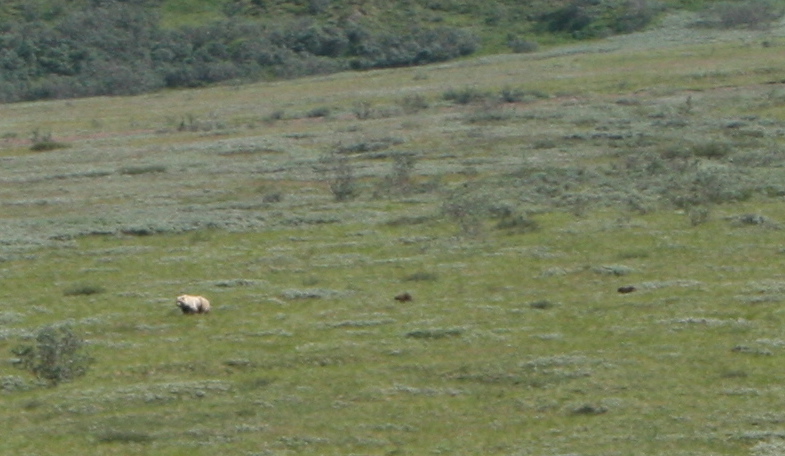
45 146
120 436
541 304
712 149
142 169
306 36
416 46
55 357
597 18
435 333
573 17
340 173
321 111
83 289
42 142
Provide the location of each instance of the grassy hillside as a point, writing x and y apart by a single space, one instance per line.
57 49
511 195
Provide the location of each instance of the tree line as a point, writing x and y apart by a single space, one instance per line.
77 48
118 48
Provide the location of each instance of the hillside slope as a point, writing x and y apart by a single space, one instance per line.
66 49
509 195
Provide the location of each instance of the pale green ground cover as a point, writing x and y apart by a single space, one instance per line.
656 166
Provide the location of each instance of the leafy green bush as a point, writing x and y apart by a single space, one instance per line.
340 173
597 18
55 357
43 142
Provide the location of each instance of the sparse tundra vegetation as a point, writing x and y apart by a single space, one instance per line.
510 196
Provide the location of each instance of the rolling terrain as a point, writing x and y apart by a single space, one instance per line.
510 195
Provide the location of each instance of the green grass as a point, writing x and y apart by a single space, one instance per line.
516 340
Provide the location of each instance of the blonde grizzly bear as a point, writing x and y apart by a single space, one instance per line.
193 304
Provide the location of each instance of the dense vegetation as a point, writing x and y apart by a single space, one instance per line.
59 49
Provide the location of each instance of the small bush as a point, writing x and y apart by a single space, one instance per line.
55 357
83 289
12 384
421 276
712 149
274 116
321 111
44 146
400 181
699 215
435 333
541 304
592 18
511 95
363 110
344 184
144 169
118 436
467 208
588 409
465 95
42 142
412 104
272 197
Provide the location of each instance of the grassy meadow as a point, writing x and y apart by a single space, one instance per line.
510 195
